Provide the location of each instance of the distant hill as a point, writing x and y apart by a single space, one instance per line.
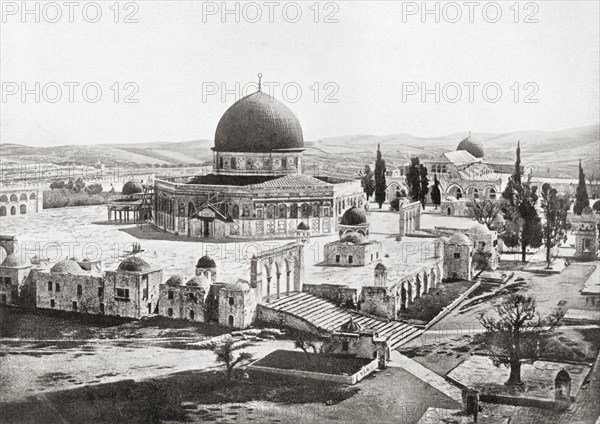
554 153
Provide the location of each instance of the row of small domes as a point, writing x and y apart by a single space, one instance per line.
71 266
197 281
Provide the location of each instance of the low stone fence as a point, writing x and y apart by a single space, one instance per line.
341 295
334 378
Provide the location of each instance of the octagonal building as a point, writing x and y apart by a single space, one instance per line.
257 188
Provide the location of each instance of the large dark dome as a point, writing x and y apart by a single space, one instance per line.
354 216
258 123
471 145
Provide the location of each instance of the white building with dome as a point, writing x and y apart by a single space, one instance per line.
257 188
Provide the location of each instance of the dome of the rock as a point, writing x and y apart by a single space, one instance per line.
258 123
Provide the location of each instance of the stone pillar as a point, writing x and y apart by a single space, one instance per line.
299 269
278 275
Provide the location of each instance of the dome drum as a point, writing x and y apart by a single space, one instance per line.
277 162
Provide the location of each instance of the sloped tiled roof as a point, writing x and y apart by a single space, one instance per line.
459 157
293 181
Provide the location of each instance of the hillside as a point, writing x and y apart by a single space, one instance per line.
553 153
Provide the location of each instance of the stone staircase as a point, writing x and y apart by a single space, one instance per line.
326 316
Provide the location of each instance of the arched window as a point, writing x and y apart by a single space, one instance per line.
2 210
3 199
23 196
492 193
246 211
315 210
282 211
221 162
270 211
235 212
14 198
13 211
294 210
305 210
23 209
473 193
443 169
32 196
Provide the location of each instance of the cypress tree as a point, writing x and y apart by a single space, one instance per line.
581 196
523 225
436 195
380 184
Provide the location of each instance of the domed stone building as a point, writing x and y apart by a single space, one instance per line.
13 272
257 188
354 247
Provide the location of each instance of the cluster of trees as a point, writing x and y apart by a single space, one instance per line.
524 227
76 185
417 181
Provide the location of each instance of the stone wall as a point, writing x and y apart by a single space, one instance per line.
283 319
237 308
143 293
66 292
20 201
338 253
358 345
341 295
377 301
460 267
183 302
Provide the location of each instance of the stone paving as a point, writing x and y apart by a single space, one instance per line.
478 372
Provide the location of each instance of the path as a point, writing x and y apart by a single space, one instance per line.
426 375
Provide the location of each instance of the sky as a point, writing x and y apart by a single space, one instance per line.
167 71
